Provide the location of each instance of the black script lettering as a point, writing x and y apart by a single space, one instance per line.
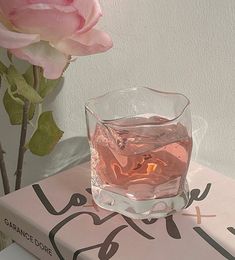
170 224
18 230
213 243
13 226
149 222
23 233
31 239
137 228
96 220
89 190
6 221
231 229
194 194
42 247
76 200
107 249
172 228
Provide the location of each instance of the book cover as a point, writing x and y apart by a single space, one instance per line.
56 219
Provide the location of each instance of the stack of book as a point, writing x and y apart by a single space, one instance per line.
57 219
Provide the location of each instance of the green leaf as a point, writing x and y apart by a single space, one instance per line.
46 136
23 88
12 91
16 98
3 68
9 79
47 86
15 110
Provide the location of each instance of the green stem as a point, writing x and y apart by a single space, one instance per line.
5 180
23 134
21 151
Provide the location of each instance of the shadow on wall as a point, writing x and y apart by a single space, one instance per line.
70 152
67 153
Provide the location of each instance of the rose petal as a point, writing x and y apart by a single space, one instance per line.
44 6
56 2
50 21
12 5
8 6
43 55
10 40
91 42
91 12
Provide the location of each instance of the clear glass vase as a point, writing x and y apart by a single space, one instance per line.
140 142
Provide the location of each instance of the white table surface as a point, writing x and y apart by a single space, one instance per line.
15 252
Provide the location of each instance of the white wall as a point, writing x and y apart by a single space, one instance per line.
186 46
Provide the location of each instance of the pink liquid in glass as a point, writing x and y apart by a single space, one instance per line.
143 157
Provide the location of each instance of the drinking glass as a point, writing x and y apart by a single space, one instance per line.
140 142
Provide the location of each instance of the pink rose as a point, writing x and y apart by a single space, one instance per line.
47 32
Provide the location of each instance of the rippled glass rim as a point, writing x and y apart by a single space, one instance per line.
111 121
